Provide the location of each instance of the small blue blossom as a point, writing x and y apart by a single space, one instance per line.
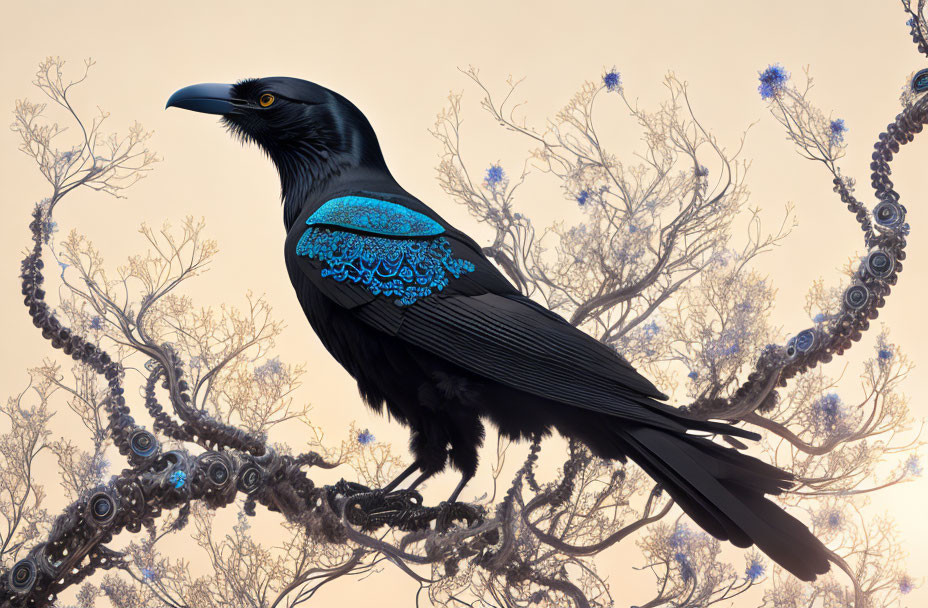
906 585
836 131
494 177
828 413
772 81
632 228
686 567
693 375
270 369
702 171
819 318
49 227
64 266
681 537
100 467
651 329
612 80
583 196
178 478
755 569
829 519
365 437
148 574
885 354
96 323
913 466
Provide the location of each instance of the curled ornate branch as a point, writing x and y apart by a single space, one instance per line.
160 480
877 272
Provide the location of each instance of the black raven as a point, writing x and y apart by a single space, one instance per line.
431 330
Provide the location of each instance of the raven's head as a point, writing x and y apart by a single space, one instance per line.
308 131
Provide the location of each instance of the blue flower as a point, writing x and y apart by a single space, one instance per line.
632 228
651 329
96 323
270 368
755 569
686 568
885 354
905 584
365 437
49 227
100 467
830 519
495 176
583 196
772 81
178 478
693 375
913 466
681 537
836 131
819 318
148 574
612 80
828 413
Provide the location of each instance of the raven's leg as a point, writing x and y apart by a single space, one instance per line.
466 438
399 478
429 444
454 495
457 491
425 475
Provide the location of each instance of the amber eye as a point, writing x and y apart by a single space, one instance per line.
266 100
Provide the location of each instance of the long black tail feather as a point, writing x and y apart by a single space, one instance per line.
723 490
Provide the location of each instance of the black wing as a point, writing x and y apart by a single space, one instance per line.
479 322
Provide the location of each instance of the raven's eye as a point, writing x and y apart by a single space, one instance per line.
266 100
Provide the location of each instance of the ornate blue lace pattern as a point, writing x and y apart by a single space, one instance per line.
374 216
406 269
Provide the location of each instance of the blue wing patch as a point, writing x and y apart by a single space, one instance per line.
374 216
406 269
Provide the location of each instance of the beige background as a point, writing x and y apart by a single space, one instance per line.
397 61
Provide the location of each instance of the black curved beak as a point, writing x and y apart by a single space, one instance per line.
209 98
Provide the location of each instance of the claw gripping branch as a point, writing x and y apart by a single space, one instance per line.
159 480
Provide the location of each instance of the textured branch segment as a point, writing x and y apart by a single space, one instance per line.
158 481
877 272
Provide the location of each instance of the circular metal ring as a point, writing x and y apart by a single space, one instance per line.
101 509
889 214
218 473
143 443
805 340
856 297
878 264
22 576
920 81
249 478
